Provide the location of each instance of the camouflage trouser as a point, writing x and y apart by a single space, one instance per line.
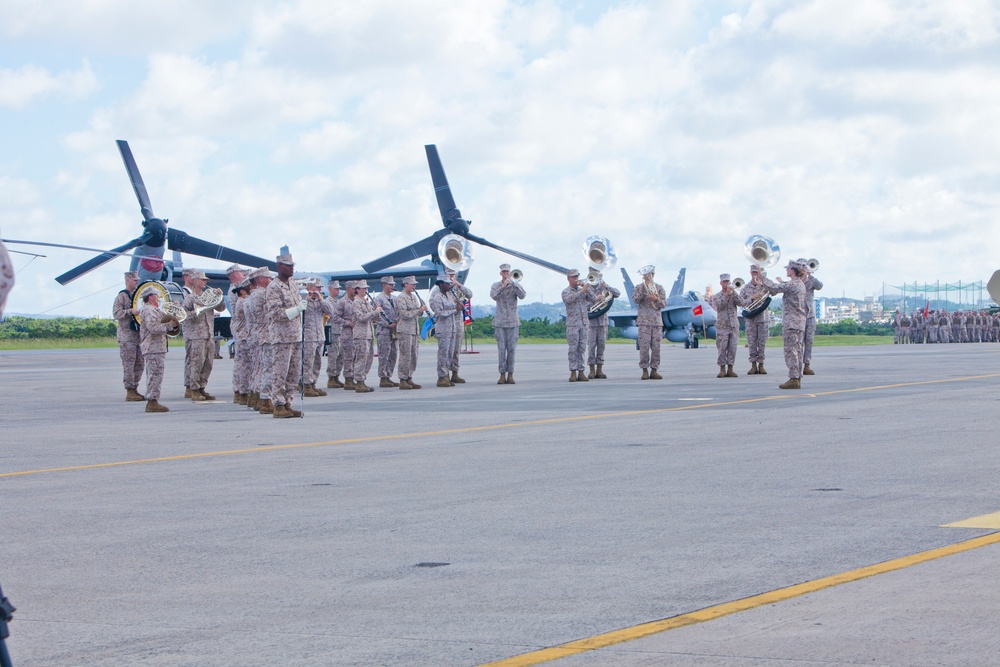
154 374
264 371
363 355
314 360
506 347
198 360
446 346
286 364
807 340
932 334
409 345
334 357
649 339
387 352
897 335
347 350
793 351
944 334
242 366
458 339
726 342
757 335
597 338
576 338
131 362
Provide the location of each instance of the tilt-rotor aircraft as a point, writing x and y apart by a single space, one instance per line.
685 313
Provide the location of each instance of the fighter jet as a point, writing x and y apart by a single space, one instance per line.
686 315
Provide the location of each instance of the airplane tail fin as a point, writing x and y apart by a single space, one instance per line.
629 287
678 287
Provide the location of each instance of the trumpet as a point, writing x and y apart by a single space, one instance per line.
738 283
516 275
812 265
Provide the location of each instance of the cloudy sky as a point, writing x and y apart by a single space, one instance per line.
864 133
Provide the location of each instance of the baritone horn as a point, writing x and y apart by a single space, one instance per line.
761 250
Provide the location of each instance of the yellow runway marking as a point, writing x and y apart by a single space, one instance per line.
492 427
986 521
727 608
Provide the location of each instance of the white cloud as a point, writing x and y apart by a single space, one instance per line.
21 87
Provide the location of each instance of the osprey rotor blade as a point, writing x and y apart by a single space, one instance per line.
528 258
445 200
101 259
136 178
184 242
421 248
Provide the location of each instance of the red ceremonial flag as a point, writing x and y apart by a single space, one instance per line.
697 310
927 309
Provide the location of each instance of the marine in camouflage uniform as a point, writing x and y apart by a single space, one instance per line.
343 310
464 294
597 332
409 308
577 298
153 343
334 351
363 315
445 308
811 284
385 329
260 331
240 328
317 307
650 298
727 326
199 348
128 337
793 321
506 322
758 326
284 307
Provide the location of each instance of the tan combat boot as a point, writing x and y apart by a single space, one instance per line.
293 411
254 401
413 385
309 392
404 384
455 379
730 373
362 388
153 406
236 397
807 371
653 375
503 379
443 381
187 392
197 396
753 369
572 376
281 412
592 374
510 378
244 399
334 383
722 372
582 377
793 383
131 395
600 372
760 369
266 407
317 389
385 383
208 396
645 374
349 384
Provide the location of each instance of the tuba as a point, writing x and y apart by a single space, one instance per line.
600 255
455 252
761 250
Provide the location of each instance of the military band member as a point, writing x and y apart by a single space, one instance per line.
334 352
363 316
464 295
386 332
506 322
187 289
727 326
343 312
198 330
240 328
317 308
153 327
284 307
597 331
793 320
236 275
128 337
758 326
260 331
812 285
577 298
445 307
650 299
409 308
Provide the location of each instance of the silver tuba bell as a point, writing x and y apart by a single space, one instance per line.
600 253
761 250
455 252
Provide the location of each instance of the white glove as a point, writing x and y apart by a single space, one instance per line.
302 306
292 313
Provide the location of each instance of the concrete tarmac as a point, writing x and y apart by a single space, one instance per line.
477 523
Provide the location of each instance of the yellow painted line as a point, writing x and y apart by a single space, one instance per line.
986 521
492 427
727 608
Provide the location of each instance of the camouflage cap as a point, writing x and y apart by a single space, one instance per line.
233 269
334 284
259 273
198 275
505 267
187 272
755 268
572 273
148 292
388 280
132 274
723 277
410 280
286 259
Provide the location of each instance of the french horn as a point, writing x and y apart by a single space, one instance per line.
209 299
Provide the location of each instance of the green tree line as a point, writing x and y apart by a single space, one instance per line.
17 326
